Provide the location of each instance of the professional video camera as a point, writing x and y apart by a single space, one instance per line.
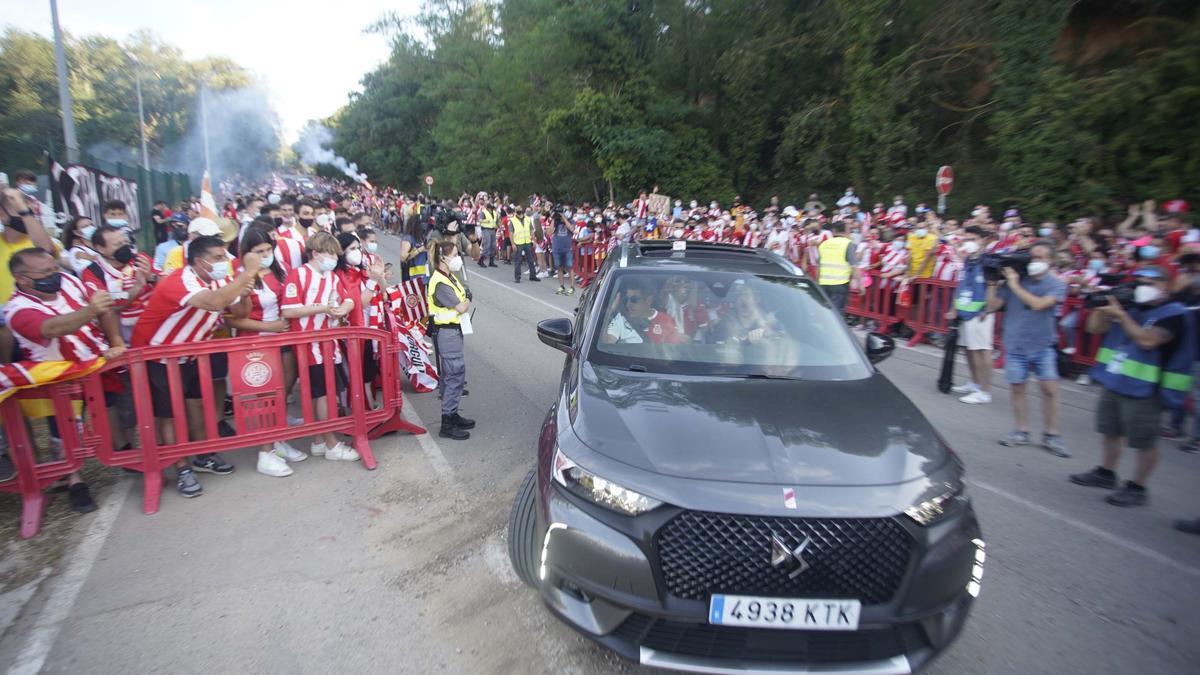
440 218
994 263
1114 288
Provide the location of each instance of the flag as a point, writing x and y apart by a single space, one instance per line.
415 359
208 206
407 301
29 374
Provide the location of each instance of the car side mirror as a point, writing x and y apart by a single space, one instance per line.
556 333
879 346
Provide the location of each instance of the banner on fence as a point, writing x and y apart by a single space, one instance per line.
79 190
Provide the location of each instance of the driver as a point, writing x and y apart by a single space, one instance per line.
747 322
637 321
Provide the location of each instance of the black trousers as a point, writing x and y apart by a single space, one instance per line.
524 252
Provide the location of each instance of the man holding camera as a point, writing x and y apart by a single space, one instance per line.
1144 363
1029 303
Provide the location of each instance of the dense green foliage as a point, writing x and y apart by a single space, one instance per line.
1052 105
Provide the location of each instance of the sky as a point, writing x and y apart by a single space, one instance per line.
264 36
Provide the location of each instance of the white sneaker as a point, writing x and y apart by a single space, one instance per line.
976 397
343 452
318 449
269 464
295 421
286 452
964 388
1084 379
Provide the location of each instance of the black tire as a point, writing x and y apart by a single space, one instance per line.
522 548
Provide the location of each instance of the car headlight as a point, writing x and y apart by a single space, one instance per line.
935 508
600 490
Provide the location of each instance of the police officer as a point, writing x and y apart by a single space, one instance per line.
489 220
1144 363
522 240
447 301
837 270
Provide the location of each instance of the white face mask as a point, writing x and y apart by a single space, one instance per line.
1038 267
372 247
455 264
268 260
1144 295
323 220
354 257
219 270
970 247
1046 231
327 264
921 232
677 233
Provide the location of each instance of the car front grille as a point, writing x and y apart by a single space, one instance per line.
766 644
703 553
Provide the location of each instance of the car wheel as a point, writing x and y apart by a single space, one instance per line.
522 549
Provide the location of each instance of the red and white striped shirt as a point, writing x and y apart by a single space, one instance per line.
264 302
641 206
25 314
893 259
170 319
101 276
290 253
305 287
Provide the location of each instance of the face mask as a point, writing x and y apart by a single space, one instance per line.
306 222
1096 265
921 232
1045 231
354 258
1150 252
16 224
372 247
455 264
694 205
87 232
179 235
970 247
219 271
1144 295
897 244
50 284
327 264
278 221
124 254
1038 267
28 189
268 260
118 222
677 233
897 202
1005 227
323 220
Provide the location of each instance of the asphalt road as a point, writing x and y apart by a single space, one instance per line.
404 569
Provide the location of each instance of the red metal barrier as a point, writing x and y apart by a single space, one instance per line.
32 476
1084 343
588 257
877 302
932 298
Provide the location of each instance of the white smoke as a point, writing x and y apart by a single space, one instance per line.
312 149
244 137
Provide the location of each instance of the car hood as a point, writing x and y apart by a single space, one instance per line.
789 432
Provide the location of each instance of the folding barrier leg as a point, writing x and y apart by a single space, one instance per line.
33 504
152 491
392 425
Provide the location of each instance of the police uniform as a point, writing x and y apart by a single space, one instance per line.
489 220
835 270
522 239
449 340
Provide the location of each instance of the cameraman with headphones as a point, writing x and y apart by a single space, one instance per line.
1144 364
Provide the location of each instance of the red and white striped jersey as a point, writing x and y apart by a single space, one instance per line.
102 276
641 207
289 252
948 265
868 253
169 319
305 287
25 314
753 239
264 302
892 260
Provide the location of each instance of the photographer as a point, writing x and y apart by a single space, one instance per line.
1144 363
976 324
562 251
448 227
1029 303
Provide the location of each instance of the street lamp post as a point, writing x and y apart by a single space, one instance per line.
204 127
64 88
137 78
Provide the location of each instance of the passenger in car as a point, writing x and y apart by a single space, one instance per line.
680 299
637 321
748 322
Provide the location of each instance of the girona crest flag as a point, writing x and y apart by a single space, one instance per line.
208 205
408 301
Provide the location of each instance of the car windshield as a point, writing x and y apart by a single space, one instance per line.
723 323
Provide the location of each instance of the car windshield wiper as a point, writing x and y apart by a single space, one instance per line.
762 376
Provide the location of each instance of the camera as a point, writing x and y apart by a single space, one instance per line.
994 263
1123 292
441 217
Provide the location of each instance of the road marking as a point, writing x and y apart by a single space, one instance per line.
519 292
65 589
1092 530
433 452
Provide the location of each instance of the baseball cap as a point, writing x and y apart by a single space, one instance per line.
205 227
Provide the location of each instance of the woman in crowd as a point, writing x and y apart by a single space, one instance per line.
312 301
77 244
448 303
265 319
414 259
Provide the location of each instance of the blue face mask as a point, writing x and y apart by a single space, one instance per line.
28 189
1096 264
1149 252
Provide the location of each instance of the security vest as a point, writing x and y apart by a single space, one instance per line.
1127 369
971 295
522 230
834 271
487 220
443 316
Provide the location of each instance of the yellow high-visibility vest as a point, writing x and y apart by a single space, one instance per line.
835 271
443 316
488 220
522 230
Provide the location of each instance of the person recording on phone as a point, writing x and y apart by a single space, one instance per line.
1029 304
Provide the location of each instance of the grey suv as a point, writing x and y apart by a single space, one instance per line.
726 482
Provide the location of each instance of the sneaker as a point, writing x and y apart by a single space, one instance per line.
1097 477
295 421
964 388
570 291
976 397
342 452
81 498
1015 438
1055 445
1189 526
283 450
212 463
1191 445
1131 494
1084 379
560 291
270 464
318 449
1170 432
187 483
543 274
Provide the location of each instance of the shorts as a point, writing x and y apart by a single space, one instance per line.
1137 419
977 333
1043 364
189 379
564 259
316 379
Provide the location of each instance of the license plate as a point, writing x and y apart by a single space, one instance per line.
786 613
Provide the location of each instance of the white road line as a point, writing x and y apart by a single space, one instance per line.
522 293
430 447
1092 530
65 588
